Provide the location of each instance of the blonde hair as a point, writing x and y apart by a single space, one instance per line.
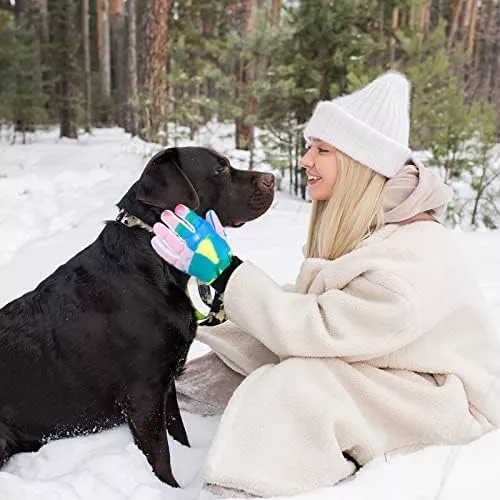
352 213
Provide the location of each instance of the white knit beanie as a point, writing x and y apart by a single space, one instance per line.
371 125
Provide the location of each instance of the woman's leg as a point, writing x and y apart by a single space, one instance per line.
208 382
206 385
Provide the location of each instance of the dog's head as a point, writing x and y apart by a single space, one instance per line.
201 179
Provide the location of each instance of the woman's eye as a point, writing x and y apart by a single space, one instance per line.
321 150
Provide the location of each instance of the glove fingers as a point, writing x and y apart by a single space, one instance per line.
164 251
190 217
182 211
169 238
215 222
192 244
177 224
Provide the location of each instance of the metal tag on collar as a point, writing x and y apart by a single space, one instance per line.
209 309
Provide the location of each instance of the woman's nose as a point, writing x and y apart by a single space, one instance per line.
307 160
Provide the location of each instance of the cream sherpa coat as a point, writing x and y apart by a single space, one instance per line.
386 348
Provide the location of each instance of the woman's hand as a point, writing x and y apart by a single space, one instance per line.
192 244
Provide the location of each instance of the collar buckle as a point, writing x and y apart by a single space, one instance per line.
130 220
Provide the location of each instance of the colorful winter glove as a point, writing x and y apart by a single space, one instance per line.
192 244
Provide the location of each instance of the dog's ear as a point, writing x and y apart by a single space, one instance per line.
164 185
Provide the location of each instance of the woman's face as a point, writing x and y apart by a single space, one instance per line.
320 163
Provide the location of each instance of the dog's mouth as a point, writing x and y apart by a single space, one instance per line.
261 201
257 204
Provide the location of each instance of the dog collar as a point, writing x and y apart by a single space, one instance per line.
216 313
130 220
215 303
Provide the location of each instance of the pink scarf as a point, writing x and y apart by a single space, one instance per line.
412 191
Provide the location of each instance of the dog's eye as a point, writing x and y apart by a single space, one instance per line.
222 169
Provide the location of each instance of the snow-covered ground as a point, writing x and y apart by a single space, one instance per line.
54 196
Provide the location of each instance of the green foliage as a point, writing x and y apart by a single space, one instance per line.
9 47
22 97
315 55
481 209
452 127
459 134
200 63
67 73
273 77
326 40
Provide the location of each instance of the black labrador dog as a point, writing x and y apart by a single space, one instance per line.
101 340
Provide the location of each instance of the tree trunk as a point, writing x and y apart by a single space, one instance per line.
275 12
487 52
489 16
478 196
99 34
455 17
118 58
21 8
244 129
495 60
141 8
435 11
479 38
425 17
103 46
44 22
132 122
402 18
467 13
86 66
392 40
412 16
472 28
63 24
155 77
47 79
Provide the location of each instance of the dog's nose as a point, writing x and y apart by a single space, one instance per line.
267 180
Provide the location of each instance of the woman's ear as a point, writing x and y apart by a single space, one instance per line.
164 185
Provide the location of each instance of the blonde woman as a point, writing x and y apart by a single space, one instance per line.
383 343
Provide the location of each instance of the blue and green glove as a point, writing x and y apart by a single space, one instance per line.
195 246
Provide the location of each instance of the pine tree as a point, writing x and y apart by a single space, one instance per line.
29 98
201 65
66 67
9 48
312 56
484 168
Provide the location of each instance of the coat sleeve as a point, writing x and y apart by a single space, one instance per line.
238 349
375 314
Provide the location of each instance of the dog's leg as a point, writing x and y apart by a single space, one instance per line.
145 415
4 451
175 425
8 442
